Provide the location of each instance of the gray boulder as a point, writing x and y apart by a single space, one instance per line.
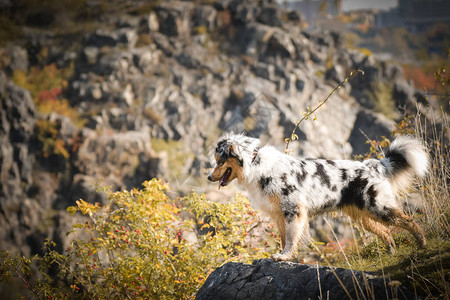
17 115
369 125
266 279
121 36
174 18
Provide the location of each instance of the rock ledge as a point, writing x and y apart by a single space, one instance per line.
266 279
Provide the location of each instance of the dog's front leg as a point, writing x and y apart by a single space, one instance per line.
281 224
296 226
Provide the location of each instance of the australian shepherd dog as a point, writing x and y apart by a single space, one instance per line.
291 190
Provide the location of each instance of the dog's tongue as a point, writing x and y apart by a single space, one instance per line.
221 181
224 177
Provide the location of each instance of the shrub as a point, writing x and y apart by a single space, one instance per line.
177 154
46 86
380 97
135 246
47 133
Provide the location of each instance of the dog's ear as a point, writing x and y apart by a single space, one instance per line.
234 152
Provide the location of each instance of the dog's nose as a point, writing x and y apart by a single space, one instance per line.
209 177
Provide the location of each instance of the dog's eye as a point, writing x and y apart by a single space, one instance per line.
220 163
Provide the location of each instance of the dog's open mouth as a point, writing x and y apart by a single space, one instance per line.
224 180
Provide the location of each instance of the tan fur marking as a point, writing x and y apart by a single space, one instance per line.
277 216
366 221
406 222
236 170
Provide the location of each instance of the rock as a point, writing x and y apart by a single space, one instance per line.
15 58
163 43
127 21
280 43
6 4
266 279
369 125
90 55
152 22
265 71
124 36
102 38
122 160
403 93
174 18
17 112
269 15
204 15
294 16
242 12
19 214
335 74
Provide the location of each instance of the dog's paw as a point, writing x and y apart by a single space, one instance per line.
281 257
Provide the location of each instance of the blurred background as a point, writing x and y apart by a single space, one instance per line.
113 93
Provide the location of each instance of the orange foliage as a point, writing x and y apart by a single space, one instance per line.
422 80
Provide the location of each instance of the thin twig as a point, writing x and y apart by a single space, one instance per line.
334 272
27 284
307 114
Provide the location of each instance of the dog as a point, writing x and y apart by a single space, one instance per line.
292 190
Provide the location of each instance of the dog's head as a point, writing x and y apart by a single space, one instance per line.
229 162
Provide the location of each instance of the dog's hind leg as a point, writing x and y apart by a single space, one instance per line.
406 222
296 229
366 220
394 216
383 232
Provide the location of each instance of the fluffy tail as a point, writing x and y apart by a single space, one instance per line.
405 158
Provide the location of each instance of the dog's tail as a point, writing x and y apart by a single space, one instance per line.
405 158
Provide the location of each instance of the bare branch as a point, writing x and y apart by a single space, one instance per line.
308 113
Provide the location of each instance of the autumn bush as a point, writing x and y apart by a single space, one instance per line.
46 85
142 244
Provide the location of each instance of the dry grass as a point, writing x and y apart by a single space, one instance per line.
424 271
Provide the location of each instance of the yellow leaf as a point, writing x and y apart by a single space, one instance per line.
72 210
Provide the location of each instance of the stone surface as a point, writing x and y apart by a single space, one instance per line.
18 116
266 279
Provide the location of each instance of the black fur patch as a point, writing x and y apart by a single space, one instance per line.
264 182
372 193
330 162
334 188
320 172
397 159
222 150
290 211
300 177
344 174
301 164
288 188
353 193
359 172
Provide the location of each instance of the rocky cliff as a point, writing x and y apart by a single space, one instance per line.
157 89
